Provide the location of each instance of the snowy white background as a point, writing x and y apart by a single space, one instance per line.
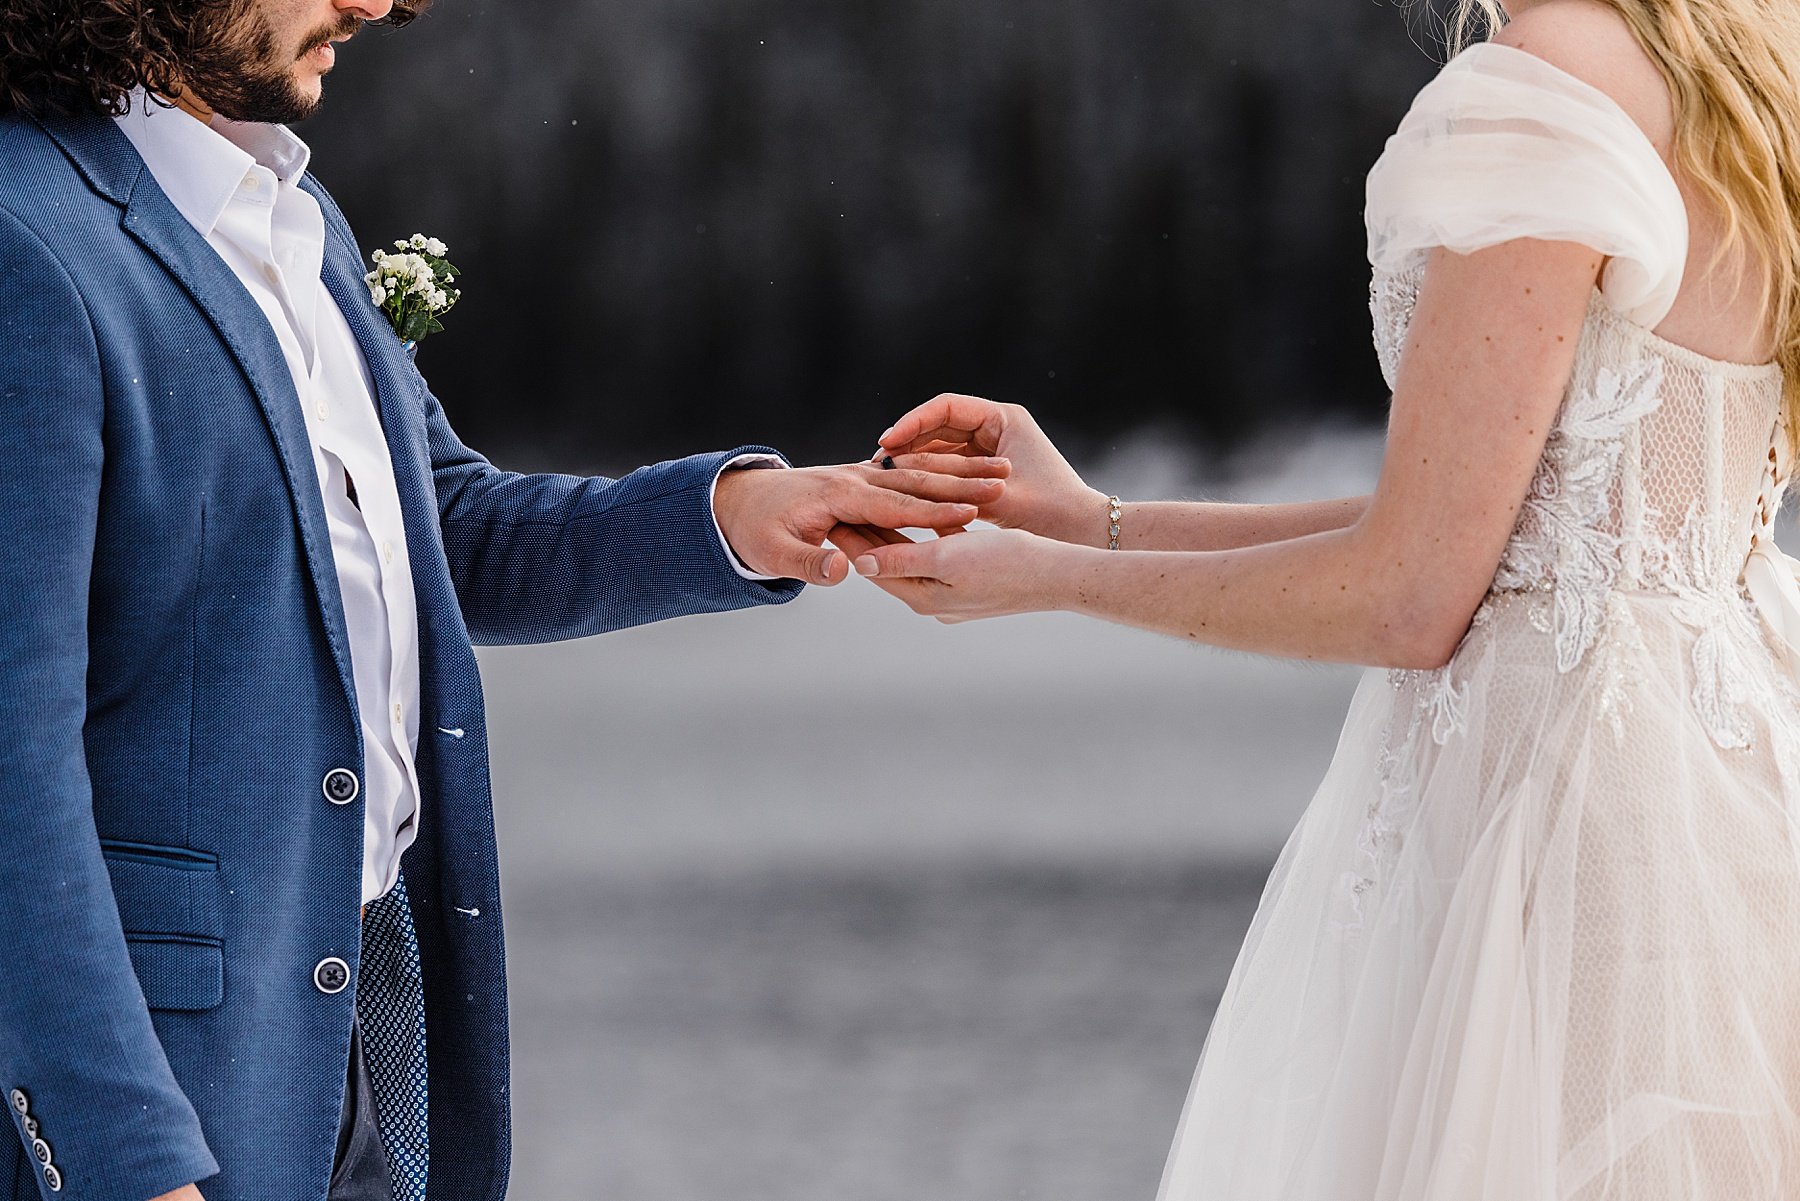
830 901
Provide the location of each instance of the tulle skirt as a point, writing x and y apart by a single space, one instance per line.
1536 938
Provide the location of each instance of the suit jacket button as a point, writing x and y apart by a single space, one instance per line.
341 786
53 1178
41 1150
331 976
30 1124
19 1101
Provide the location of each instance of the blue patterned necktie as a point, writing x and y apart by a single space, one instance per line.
390 1007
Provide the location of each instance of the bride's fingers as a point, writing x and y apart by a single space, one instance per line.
950 411
946 441
854 540
918 561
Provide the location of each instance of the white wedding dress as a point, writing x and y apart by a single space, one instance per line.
1537 936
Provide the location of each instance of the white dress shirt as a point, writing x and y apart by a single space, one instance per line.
237 183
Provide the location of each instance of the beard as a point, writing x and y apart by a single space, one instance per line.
246 74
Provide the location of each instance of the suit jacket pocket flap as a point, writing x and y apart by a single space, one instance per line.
178 973
165 890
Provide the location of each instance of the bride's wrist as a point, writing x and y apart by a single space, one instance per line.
1075 575
1083 520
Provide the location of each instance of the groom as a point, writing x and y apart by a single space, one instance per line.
252 943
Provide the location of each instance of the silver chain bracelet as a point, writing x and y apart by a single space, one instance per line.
1115 509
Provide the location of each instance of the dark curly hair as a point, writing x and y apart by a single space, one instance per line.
65 56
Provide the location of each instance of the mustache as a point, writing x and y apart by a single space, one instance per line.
339 29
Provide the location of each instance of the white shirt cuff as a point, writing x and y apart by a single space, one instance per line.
743 461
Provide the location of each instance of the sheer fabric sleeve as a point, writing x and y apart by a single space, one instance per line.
1503 145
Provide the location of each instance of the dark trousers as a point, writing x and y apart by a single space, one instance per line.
361 1172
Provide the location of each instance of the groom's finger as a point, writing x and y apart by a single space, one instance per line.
969 466
899 510
929 485
796 559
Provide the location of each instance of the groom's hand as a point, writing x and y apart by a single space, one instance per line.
777 520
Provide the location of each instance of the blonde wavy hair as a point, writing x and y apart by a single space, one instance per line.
1733 68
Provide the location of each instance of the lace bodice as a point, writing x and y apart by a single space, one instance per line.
1640 596
1663 467
1660 469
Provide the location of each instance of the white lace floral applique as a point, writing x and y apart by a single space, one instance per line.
1561 541
1561 545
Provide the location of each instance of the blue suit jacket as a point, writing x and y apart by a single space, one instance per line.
175 685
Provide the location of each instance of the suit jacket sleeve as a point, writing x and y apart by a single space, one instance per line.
78 1052
537 558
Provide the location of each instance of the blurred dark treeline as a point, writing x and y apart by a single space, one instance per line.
692 223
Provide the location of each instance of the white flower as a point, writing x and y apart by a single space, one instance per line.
405 284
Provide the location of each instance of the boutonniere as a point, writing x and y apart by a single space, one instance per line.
412 288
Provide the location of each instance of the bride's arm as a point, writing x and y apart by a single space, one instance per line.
1486 363
1046 496
1221 525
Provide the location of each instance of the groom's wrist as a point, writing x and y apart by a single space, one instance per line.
747 462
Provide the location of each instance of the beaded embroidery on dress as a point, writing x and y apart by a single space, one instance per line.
1533 939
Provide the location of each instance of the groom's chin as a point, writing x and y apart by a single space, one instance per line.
295 102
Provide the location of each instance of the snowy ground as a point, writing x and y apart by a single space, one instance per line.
831 901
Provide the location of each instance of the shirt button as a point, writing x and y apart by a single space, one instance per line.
398 715
323 409
387 552
331 976
249 184
341 786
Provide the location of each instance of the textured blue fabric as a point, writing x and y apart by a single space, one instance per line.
175 685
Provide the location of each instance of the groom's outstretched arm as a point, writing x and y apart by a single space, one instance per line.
543 557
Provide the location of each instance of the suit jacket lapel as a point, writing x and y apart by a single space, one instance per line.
396 389
397 392
112 166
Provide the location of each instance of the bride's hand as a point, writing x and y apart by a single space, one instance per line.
987 573
1043 493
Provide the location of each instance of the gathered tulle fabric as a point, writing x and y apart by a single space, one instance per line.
1502 145
1557 967
1534 937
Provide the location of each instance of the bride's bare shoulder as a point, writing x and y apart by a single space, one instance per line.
1592 42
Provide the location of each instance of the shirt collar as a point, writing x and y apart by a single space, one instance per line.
200 167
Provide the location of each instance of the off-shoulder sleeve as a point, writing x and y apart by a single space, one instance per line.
1503 145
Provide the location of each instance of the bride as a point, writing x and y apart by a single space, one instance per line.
1537 936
